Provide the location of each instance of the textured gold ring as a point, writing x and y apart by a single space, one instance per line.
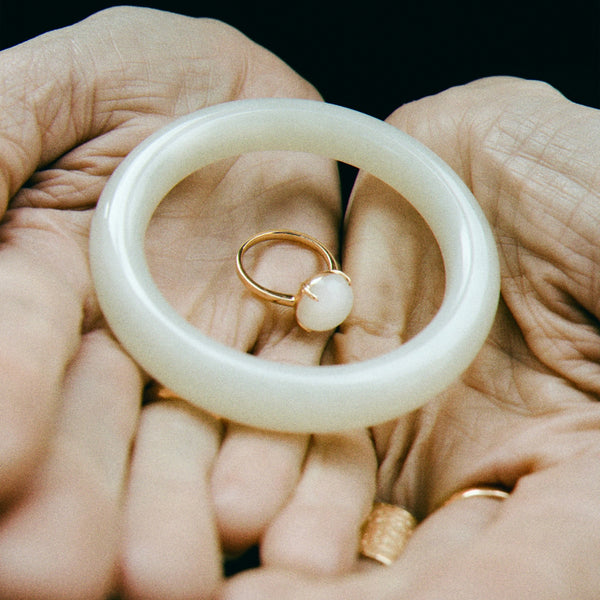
386 532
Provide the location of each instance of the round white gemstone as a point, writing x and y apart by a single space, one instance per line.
324 302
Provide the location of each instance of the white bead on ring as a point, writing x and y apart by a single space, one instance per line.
263 393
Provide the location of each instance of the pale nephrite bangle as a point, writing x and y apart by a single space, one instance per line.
263 393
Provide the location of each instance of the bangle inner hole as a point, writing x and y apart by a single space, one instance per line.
390 254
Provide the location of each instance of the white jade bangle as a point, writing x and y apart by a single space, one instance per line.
263 393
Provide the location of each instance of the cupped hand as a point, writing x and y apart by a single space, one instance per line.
525 416
74 445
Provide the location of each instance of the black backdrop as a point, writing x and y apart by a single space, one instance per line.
375 55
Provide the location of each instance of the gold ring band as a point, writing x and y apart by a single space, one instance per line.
478 492
281 236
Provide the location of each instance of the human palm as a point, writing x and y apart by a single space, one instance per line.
525 415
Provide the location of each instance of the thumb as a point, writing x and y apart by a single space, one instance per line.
396 270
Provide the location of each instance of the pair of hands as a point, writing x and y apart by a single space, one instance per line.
98 494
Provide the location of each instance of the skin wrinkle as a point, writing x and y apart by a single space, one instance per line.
7 168
244 76
15 159
214 311
541 298
52 120
83 98
182 103
569 309
235 61
138 80
550 451
141 77
567 236
24 196
94 165
558 154
507 152
581 224
536 172
538 168
428 425
497 396
393 442
72 188
50 123
544 325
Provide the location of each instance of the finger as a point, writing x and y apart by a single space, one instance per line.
273 471
318 529
170 547
61 538
43 286
432 545
254 475
255 471
537 543
399 294
395 296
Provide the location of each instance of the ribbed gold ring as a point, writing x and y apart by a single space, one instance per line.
386 532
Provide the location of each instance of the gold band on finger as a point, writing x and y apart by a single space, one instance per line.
386 532
323 302
478 492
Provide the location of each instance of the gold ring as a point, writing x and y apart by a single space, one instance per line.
386 532
323 302
478 492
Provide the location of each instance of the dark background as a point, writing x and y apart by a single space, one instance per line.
374 56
